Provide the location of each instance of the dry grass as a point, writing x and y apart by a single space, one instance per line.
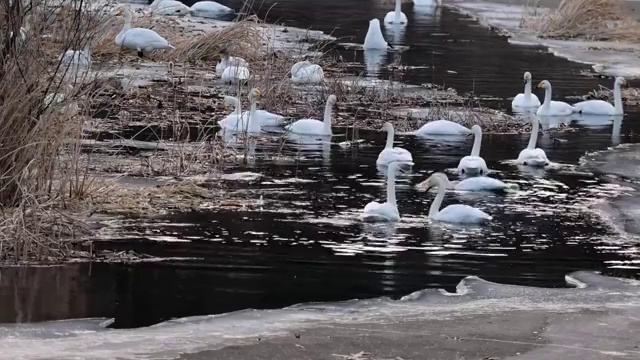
630 95
594 20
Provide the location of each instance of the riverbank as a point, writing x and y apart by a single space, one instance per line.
614 58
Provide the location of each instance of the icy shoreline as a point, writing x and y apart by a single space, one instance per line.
606 57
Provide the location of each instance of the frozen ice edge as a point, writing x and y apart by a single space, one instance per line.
77 339
606 57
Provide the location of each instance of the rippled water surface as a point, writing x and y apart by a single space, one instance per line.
297 237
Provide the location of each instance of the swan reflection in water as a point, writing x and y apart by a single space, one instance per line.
244 146
312 144
373 61
395 34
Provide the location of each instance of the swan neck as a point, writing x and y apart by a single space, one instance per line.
327 117
547 97
435 205
390 135
617 99
391 185
477 142
253 126
534 134
238 107
398 12
527 91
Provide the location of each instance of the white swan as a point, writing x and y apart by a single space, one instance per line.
168 7
477 183
236 122
261 117
306 72
600 107
456 213
390 153
396 17
139 39
235 74
77 59
526 100
552 108
226 61
374 39
387 211
209 9
473 164
442 127
532 156
431 3
313 126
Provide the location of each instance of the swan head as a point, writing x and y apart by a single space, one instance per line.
387 127
332 99
544 84
527 77
254 94
620 81
230 101
476 130
374 23
435 179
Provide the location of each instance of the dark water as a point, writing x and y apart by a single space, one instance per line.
304 243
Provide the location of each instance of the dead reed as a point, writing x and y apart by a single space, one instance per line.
593 20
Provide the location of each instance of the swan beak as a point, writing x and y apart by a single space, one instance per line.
525 82
539 86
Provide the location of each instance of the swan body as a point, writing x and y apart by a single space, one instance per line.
306 72
374 39
552 108
456 213
476 183
77 59
442 127
234 74
396 17
313 126
391 154
139 39
209 9
473 164
168 7
532 156
387 211
237 122
600 107
261 117
227 61
431 3
526 99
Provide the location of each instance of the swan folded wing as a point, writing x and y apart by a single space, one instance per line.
375 211
306 126
140 38
309 73
533 157
520 101
209 7
473 165
394 154
442 127
462 214
480 183
594 107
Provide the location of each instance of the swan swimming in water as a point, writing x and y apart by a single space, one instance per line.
600 107
313 126
236 122
387 211
306 72
442 127
474 164
532 156
390 153
526 100
549 107
456 213
374 39
476 183
140 39
396 17
262 117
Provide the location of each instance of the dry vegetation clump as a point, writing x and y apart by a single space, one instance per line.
594 20
42 180
630 95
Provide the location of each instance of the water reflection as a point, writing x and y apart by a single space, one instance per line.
594 120
374 60
395 33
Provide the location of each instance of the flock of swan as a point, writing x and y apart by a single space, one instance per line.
472 167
